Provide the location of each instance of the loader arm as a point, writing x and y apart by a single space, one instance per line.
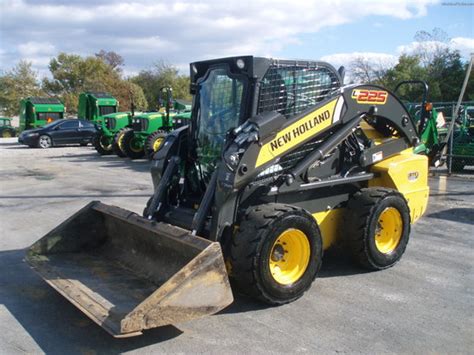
338 116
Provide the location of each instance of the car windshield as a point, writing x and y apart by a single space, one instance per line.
220 100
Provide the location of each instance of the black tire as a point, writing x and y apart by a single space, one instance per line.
102 147
369 245
117 142
45 141
8 133
127 146
151 141
253 249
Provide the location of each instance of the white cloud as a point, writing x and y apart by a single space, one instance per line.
464 45
180 31
375 58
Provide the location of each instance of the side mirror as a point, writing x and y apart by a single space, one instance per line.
57 128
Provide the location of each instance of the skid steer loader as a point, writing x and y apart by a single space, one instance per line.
280 161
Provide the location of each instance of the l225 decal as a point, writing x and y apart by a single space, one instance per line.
372 97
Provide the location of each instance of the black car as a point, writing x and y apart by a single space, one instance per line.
60 132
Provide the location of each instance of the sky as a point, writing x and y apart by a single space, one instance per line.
182 31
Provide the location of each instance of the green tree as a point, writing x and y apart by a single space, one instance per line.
159 76
73 74
20 82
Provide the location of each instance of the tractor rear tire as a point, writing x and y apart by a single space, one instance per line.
8 133
118 140
127 146
100 146
276 253
154 142
378 227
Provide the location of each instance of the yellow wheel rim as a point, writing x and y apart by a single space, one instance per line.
120 140
6 134
157 144
389 230
289 257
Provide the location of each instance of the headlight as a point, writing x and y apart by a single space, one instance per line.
32 134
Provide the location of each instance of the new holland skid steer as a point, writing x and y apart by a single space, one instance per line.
280 161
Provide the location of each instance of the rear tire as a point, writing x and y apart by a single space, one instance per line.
99 143
154 142
378 227
45 141
276 253
118 142
129 146
8 133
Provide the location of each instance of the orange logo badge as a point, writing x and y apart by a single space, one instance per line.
374 97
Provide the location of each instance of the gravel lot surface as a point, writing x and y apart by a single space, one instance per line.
424 304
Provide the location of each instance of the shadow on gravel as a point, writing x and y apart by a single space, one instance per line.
107 161
336 263
461 215
55 324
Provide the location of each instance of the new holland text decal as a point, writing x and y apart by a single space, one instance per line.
373 97
300 131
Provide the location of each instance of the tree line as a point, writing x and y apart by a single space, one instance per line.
432 61
72 74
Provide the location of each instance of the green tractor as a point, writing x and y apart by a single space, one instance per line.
429 122
38 111
6 128
149 130
110 131
101 108
462 153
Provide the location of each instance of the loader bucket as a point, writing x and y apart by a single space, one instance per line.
128 273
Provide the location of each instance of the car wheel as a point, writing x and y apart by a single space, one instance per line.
45 141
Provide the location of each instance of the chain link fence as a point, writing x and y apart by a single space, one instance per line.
460 147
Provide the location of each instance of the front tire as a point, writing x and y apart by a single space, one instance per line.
154 142
117 143
130 146
276 253
101 143
378 227
45 141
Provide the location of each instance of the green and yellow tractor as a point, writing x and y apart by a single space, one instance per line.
462 153
100 108
38 111
6 128
148 130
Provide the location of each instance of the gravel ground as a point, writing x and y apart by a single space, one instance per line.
422 305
